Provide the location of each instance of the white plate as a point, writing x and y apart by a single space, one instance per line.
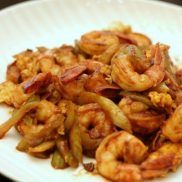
53 22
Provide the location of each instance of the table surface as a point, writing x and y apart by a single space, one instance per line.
6 3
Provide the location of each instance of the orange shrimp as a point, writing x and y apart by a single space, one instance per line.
124 71
168 157
172 129
96 42
142 118
44 111
71 89
141 39
49 120
118 155
94 125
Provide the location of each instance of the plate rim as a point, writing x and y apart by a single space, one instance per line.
32 2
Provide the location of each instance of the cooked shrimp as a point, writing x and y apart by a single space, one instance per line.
118 155
96 42
133 38
117 116
57 59
25 124
124 72
107 55
44 111
143 119
49 120
73 88
124 38
166 158
141 39
172 129
94 125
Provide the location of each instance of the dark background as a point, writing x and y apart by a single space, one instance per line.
6 3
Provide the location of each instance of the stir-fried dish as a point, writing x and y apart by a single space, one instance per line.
113 96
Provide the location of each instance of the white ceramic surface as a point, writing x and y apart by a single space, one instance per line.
53 22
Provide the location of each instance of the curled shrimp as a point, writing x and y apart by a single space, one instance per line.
56 60
47 120
133 38
172 128
107 55
167 158
52 60
44 110
96 42
140 39
117 116
71 89
118 155
143 119
94 125
134 72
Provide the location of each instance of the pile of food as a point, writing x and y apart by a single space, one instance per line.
113 96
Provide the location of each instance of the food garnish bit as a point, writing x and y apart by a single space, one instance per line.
113 96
